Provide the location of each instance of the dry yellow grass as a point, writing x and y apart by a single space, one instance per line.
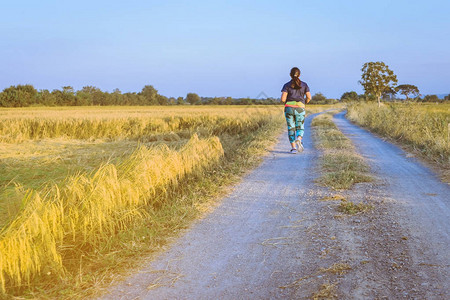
39 145
64 222
423 127
19 125
327 291
87 210
16 130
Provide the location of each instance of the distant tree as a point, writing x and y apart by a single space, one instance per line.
18 96
377 78
431 98
215 101
407 89
193 98
68 90
221 100
349 96
92 96
447 98
246 101
107 98
44 97
180 101
228 101
116 97
171 101
205 100
68 96
162 100
100 98
129 99
363 97
83 99
3 102
150 95
57 95
318 98
388 94
273 101
28 94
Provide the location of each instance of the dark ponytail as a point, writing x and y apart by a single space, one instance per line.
296 83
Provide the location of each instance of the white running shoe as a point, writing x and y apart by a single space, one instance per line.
299 145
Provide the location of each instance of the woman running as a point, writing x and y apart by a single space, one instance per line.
293 96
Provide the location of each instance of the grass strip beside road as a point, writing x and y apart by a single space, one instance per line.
341 165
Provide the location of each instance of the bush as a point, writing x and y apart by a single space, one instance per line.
349 96
431 98
319 98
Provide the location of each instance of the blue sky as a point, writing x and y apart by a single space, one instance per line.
222 48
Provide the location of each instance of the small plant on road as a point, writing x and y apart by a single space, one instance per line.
349 207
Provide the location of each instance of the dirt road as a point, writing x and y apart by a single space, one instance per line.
272 237
418 204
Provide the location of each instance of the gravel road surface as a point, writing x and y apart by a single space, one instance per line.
419 204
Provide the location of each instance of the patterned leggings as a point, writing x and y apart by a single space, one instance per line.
295 118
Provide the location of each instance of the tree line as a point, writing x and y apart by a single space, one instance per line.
26 95
378 81
353 96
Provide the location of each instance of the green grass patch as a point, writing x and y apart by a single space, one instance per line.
343 161
351 208
341 166
342 179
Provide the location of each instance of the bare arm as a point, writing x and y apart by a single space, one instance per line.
283 97
308 97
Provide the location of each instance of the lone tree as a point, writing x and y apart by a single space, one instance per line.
150 94
193 98
377 78
407 89
318 98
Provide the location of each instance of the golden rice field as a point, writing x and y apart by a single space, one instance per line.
422 126
84 189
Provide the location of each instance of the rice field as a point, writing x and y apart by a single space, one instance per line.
73 180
